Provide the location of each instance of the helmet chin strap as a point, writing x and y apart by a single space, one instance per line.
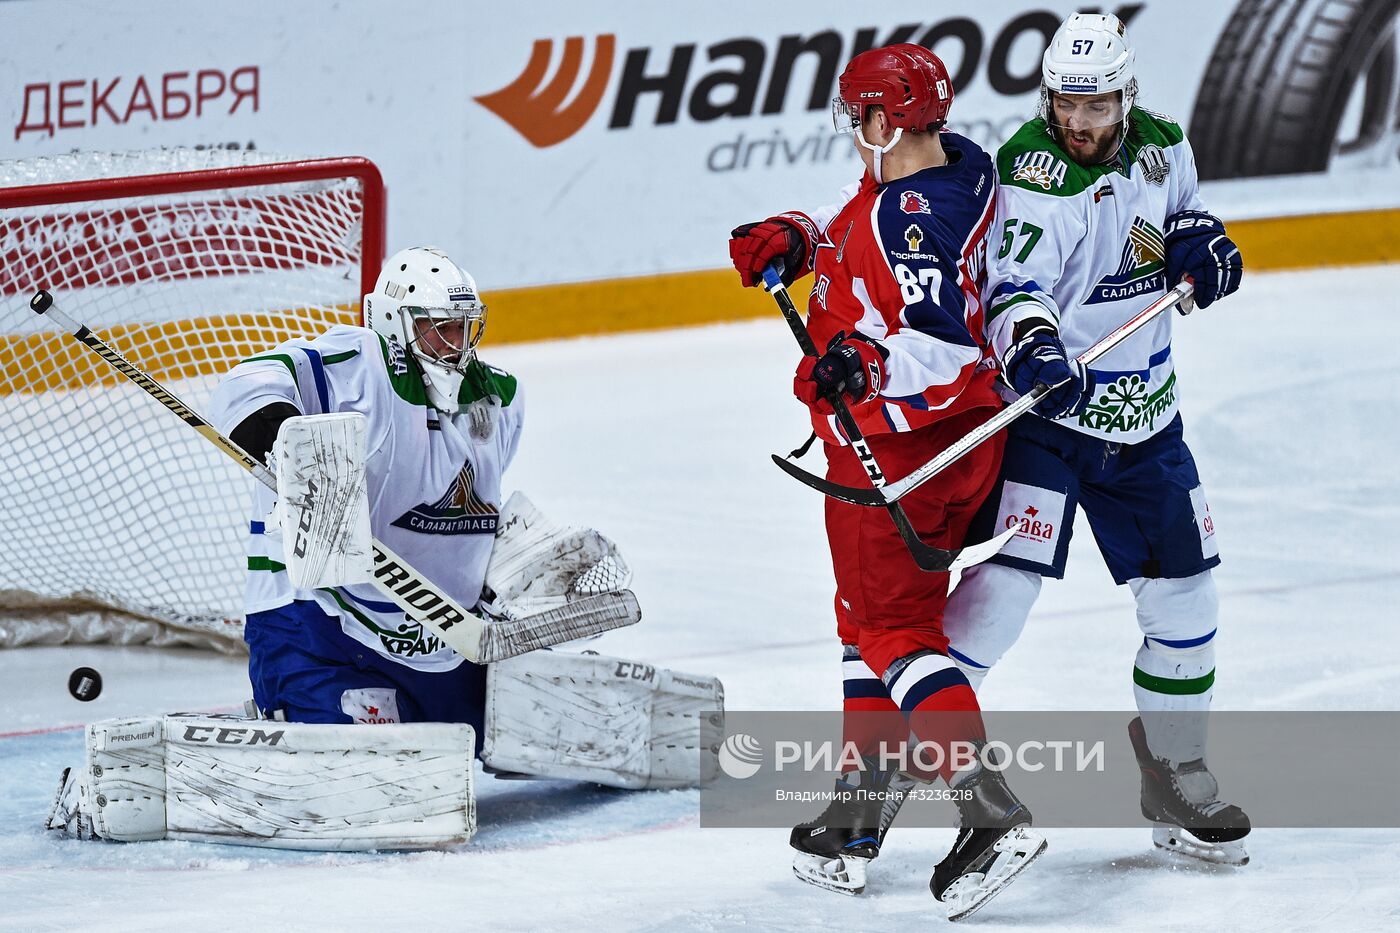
879 150
444 387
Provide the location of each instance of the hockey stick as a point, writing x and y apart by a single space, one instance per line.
926 556
421 600
889 494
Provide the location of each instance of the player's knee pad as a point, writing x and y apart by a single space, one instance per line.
588 717
276 784
1178 620
986 614
1174 672
1177 614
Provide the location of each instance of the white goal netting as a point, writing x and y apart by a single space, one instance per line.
121 523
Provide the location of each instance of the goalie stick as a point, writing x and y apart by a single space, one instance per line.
421 600
927 557
889 494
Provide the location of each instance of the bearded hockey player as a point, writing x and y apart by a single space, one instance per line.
368 723
1098 214
897 302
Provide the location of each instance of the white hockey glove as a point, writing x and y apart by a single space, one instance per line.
537 565
323 500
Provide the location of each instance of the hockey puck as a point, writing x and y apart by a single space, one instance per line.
85 684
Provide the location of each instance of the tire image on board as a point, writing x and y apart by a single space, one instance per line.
1300 86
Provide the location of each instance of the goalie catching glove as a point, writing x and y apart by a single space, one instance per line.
537 564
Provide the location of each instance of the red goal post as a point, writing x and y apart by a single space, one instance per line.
120 524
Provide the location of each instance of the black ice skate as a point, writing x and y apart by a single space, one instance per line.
995 843
1182 801
834 849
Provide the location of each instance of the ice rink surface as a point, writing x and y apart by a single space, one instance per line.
661 440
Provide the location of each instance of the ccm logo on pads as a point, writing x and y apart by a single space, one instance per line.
229 736
634 670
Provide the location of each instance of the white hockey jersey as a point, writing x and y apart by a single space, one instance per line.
1083 245
434 480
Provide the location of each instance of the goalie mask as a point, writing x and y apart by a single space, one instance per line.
427 304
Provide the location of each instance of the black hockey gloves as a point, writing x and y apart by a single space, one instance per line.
852 366
1198 246
1039 357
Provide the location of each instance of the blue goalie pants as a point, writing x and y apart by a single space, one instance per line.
303 666
1144 502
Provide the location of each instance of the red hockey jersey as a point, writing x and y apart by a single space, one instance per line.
904 264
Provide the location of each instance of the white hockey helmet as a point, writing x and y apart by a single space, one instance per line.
1089 54
429 305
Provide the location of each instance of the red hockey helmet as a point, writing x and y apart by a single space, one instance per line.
907 80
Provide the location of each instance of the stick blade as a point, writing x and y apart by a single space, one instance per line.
869 496
976 553
581 618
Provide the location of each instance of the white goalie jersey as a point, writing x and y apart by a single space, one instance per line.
434 480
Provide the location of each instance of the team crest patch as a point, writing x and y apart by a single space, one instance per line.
406 640
1127 404
1141 269
397 364
913 202
1039 168
460 512
1153 164
913 236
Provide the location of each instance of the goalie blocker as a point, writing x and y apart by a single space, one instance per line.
403 786
323 499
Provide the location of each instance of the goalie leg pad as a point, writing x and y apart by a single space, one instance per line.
279 784
588 717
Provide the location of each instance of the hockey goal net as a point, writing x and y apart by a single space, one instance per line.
120 523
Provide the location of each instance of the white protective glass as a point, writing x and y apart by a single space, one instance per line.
844 116
1078 112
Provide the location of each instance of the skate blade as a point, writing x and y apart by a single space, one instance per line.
842 875
1183 842
1015 851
